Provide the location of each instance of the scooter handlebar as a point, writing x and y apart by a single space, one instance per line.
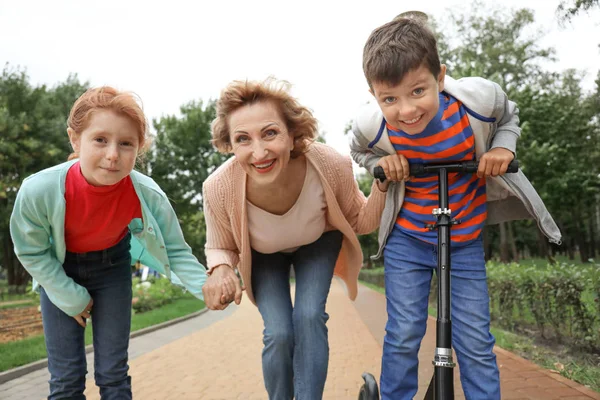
463 167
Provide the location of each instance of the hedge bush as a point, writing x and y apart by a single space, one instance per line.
153 293
561 302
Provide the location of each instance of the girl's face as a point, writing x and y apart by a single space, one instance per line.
260 141
107 148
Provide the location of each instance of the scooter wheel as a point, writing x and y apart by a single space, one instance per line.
368 390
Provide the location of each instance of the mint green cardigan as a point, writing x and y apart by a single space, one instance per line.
37 228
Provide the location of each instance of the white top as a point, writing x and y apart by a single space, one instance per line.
303 224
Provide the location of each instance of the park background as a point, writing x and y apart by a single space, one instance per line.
545 298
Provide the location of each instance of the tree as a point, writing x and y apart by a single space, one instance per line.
182 158
560 152
566 10
32 137
492 44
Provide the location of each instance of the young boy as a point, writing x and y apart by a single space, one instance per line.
423 116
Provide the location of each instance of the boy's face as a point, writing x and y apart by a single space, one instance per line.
410 105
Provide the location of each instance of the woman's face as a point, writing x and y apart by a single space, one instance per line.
260 141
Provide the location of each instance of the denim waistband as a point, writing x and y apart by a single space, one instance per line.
101 255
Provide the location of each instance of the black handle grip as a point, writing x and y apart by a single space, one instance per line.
379 174
464 167
513 167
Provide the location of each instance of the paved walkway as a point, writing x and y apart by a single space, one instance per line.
217 356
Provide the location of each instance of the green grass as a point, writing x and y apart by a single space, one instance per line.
581 368
543 262
22 352
18 305
32 349
5 296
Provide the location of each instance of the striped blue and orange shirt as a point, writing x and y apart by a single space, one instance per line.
448 137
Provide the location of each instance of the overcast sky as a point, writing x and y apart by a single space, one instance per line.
172 52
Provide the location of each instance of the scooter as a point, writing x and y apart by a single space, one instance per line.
441 386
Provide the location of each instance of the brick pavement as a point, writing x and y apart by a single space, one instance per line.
221 360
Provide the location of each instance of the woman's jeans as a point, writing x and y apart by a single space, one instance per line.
296 353
409 265
106 274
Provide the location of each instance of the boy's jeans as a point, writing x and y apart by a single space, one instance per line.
296 353
106 274
409 265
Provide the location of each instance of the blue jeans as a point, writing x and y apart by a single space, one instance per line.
296 353
106 275
409 265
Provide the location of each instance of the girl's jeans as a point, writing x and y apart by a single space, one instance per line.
296 353
106 274
409 265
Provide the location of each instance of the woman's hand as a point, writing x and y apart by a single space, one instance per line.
221 288
85 314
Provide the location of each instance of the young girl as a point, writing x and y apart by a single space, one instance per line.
77 226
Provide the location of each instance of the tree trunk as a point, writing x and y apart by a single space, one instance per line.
512 243
571 249
487 246
543 247
592 230
504 251
583 246
15 273
542 243
580 233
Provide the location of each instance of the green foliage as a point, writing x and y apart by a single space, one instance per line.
559 152
559 145
182 158
373 276
153 293
492 43
568 9
32 137
561 301
21 352
369 243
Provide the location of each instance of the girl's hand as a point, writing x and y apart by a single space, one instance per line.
495 162
85 314
395 167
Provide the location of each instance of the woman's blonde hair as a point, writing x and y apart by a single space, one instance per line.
299 120
107 98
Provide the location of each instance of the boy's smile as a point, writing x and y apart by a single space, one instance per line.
410 105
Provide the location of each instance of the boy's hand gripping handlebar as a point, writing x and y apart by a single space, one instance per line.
461 166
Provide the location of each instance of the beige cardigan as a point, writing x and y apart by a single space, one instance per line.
227 238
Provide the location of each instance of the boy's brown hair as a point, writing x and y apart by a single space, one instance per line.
398 47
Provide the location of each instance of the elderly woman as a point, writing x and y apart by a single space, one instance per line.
283 200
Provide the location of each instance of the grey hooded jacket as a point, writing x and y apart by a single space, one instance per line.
495 123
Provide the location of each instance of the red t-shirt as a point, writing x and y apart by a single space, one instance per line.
97 217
